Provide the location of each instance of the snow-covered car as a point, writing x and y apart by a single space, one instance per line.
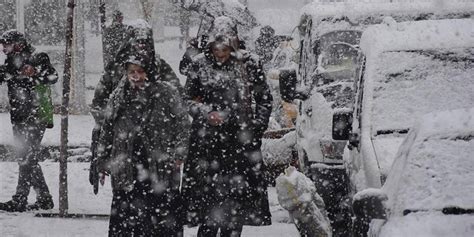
323 87
411 68
330 59
429 189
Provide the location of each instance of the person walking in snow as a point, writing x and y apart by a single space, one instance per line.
265 44
114 37
192 50
28 76
140 41
142 143
230 103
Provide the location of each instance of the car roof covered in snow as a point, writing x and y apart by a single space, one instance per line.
321 10
330 16
419 35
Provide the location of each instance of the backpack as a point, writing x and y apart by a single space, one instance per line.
46 108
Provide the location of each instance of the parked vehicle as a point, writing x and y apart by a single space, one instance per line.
428 191
410 69
330 62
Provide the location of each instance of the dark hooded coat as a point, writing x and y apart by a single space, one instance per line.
139 42
224 171
114 37
144 132
114 72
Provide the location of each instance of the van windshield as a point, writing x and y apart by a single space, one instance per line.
337 51
408 84
337 64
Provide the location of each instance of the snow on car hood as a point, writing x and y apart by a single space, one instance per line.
447 124
437 174
433 168
429 224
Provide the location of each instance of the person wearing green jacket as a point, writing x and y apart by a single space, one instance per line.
28 76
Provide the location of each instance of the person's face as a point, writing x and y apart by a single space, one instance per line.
136 75
118 19
221 52
8 48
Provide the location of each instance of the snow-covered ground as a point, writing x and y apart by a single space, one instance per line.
83 201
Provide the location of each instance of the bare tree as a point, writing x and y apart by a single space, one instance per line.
147 8
78 79
63 193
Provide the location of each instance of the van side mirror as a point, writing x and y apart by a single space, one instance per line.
367 205
341 125
288 81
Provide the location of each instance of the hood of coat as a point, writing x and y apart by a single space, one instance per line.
224 31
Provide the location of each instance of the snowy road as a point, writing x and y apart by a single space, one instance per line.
82 200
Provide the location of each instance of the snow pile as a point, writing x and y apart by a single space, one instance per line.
297 194
278 151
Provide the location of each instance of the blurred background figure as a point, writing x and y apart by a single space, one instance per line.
283 58
265 45
114 36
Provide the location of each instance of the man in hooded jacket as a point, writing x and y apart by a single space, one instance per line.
142 143
140 41
24 71
230 103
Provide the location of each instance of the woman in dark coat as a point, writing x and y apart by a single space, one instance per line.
143 141
230 103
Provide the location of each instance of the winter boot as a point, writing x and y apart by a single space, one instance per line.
13 206
45 203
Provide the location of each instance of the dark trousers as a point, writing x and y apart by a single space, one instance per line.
134 213
211 231
28 138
